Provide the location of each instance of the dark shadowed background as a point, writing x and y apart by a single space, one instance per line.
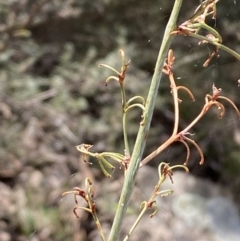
53 97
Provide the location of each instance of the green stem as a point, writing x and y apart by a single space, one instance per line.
205 26
127 107
98 226
143 129
136 222
124 106
127 150
135 105
136 98
220 46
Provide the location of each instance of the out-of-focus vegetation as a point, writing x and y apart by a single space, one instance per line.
53 97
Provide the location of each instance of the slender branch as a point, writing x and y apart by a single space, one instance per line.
198 149
201 114
143 211
159 150
124 106
136 98
143 129
187 90
205 26
176 104
188 151
126 144
220 46
135 105
174 137
231 102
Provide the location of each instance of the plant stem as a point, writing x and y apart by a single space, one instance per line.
220 46
143 129
136 222
176 104
124 106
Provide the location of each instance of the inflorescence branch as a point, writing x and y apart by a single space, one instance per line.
210 100
164 171
193 26
126 105
88 196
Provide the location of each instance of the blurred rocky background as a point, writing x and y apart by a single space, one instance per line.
53 97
